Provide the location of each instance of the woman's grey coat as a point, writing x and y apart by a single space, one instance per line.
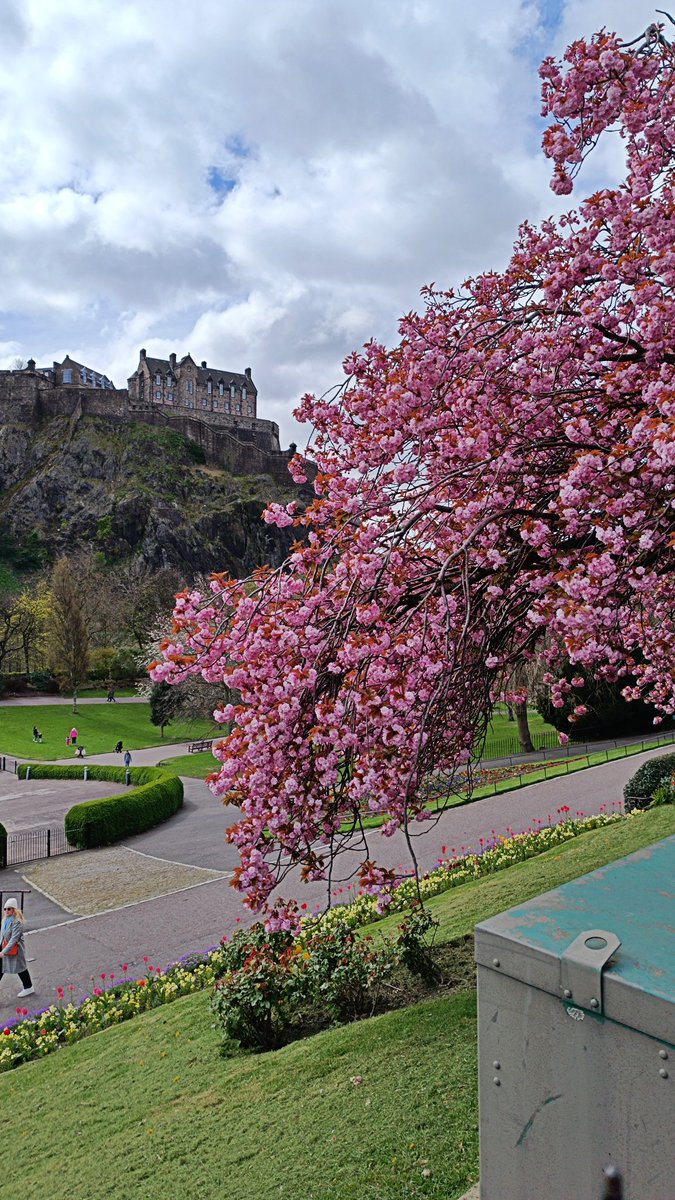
12 932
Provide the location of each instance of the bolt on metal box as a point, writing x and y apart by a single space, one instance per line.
576 1020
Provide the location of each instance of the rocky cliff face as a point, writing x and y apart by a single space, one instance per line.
129 490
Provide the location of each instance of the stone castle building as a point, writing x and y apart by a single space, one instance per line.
215 407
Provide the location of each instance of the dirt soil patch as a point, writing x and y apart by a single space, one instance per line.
93 881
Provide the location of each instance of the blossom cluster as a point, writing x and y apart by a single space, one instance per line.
497 485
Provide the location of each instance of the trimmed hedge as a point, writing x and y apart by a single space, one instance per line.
648 778
156 797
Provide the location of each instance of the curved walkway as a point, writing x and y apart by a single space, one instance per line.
71 952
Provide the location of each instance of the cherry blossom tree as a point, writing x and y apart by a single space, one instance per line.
502 476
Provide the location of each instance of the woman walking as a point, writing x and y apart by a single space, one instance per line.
13 951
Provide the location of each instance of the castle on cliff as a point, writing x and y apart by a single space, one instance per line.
214 407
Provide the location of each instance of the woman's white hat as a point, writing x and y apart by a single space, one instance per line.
11 902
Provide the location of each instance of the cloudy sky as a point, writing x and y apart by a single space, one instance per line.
264 183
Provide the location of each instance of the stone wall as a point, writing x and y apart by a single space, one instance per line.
242 445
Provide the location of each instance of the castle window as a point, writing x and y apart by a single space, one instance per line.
158 377
67 375
226 406
232 391
209 387
243 392
169 397
158 394
190 388
83 374
238 407
141 387
249 410
215 404
221 388
205 403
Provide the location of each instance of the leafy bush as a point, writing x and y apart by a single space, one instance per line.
254 999
279 986
664 794
641 787
155 798
344 973
415 944
43 681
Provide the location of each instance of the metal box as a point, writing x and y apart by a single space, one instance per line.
576 1019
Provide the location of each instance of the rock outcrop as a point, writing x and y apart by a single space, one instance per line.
131 490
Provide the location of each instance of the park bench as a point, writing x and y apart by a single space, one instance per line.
195 746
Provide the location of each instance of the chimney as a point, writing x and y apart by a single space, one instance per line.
172 361
247 372
31 364
203 364
142 353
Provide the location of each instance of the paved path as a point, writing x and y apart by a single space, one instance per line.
71 951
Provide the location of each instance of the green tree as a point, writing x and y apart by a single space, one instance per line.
164 704
67 629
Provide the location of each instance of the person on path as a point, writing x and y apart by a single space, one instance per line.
73 736
119 748
35 733
111 696
127 758
13 952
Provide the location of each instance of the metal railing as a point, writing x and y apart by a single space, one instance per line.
30 844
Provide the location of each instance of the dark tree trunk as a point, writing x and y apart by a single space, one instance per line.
524 735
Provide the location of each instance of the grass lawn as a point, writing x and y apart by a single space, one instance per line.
151 1107
502 729
196 766
99 727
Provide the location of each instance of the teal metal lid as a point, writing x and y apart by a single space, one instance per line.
541 943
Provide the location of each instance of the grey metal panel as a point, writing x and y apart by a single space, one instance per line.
633 899
563 1093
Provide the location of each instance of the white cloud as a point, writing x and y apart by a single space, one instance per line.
357 149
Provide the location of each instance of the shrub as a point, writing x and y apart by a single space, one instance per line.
42 681
344 973
255 998
277 987
664 794
104 821
641 787
155 798
415 944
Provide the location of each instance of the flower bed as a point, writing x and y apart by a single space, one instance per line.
30 1036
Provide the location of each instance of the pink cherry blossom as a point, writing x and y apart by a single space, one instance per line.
499 480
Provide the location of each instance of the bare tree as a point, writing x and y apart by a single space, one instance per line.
67 634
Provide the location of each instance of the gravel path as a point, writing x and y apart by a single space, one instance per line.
100 880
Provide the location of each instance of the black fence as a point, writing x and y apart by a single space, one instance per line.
509 747
30 844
